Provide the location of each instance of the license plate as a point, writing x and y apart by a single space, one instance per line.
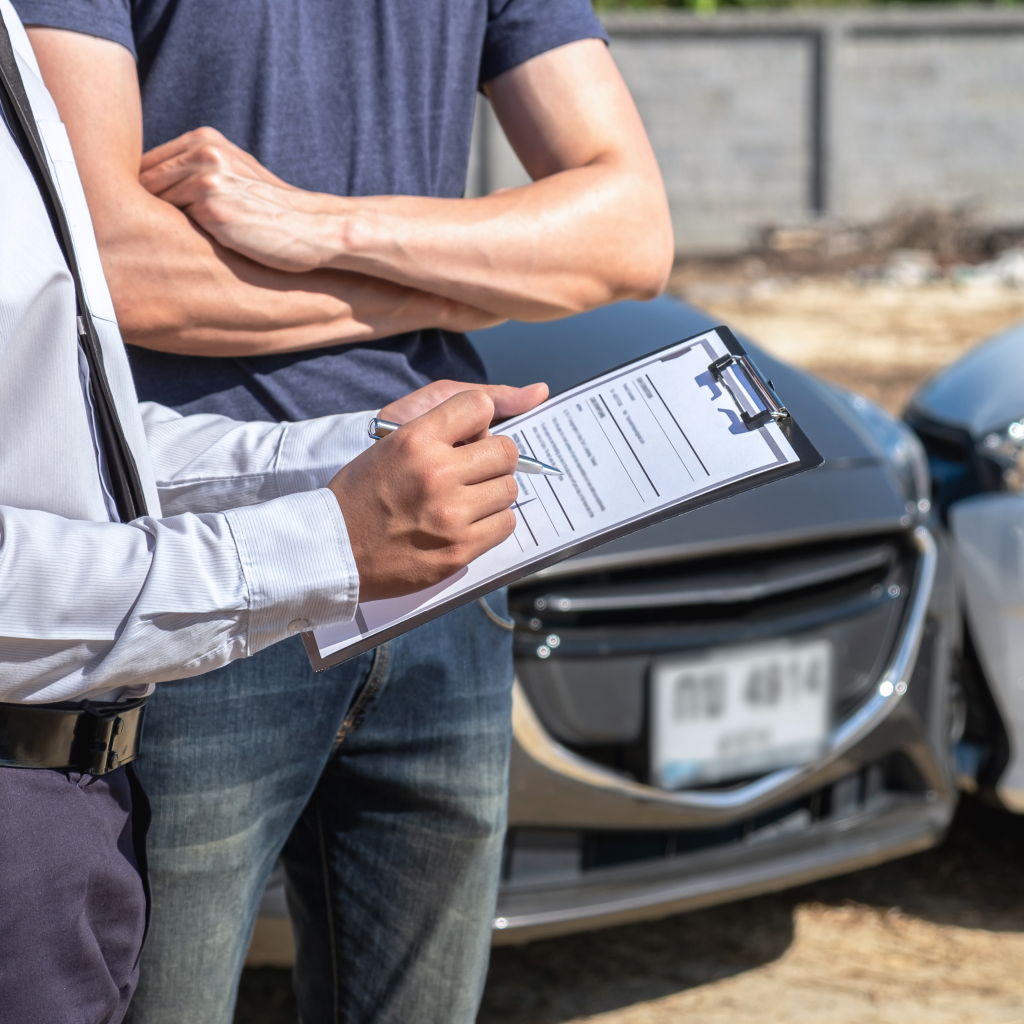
739 711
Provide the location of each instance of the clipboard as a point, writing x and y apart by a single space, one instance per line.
622 404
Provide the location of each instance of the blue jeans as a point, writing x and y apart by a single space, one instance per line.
381 784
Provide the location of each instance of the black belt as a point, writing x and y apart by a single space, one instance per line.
88 736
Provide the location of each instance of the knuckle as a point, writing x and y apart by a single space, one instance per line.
510 449
434 479
404 450
507 522
480 403
205 190
206 134
443 525
413 440
398 443
451 522
211 157
443 521
511 489
456 556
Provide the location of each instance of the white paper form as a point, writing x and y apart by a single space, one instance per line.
637 440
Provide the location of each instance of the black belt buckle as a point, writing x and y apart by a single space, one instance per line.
90 737
115 736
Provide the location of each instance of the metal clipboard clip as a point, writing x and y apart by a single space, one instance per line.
770 409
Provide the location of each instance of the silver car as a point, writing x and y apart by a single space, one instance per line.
749 696
971 420
743 698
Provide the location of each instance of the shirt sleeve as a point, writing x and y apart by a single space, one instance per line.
520 29
253 549
108 19
208 463
110 609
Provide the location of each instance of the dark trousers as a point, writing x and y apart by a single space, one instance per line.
74 900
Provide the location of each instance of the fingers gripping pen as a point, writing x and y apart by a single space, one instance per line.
381 428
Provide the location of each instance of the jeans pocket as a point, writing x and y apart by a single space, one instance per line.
367 693
495 607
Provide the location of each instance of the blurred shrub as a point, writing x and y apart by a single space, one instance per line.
710 6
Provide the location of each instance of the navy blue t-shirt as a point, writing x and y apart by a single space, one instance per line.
353 97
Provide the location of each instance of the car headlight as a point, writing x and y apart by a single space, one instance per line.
900 447
1006 449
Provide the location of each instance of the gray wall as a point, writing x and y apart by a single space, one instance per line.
784 118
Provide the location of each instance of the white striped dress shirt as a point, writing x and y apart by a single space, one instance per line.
243 545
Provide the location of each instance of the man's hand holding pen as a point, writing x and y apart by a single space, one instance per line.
419 505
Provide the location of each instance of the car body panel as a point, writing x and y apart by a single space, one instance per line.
581 788
953 413
983 390
852 492
989 534
891 828
555 788
861 501
592 841
564 800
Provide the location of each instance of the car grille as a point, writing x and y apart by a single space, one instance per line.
584 644
535 856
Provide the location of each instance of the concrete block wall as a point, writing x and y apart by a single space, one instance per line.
783 118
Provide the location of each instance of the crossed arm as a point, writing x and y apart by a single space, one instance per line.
207 253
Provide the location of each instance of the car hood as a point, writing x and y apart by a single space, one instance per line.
853 492
981 392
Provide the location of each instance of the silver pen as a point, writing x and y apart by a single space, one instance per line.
381 428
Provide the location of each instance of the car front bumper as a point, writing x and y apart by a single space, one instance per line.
560 796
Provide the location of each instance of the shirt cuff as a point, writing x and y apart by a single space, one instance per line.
312 451
298 565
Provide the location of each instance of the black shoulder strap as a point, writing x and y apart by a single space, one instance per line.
124 475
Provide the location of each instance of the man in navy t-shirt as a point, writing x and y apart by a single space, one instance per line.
296 244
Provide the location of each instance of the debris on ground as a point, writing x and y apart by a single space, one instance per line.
942 239
881 335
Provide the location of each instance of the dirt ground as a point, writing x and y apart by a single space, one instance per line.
937 938
876 338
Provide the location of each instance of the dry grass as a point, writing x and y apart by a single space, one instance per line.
875 338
